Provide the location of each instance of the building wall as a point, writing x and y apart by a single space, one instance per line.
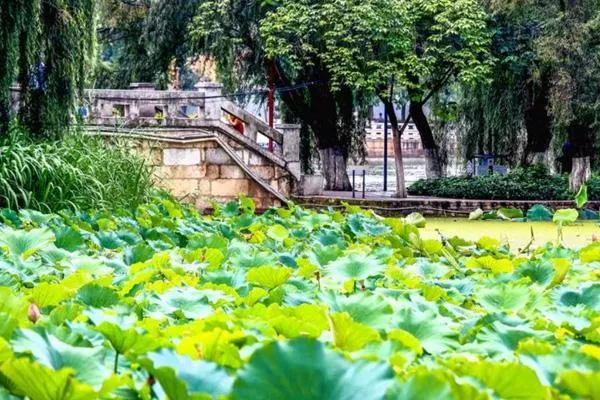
411 141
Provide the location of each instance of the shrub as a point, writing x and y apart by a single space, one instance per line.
534 183
78 172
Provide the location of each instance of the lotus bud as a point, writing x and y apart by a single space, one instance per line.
33 313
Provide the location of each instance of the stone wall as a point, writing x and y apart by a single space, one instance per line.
201 171
430 206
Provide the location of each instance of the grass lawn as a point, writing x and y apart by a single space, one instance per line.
517 234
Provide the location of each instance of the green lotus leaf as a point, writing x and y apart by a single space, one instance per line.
278 232
590 253
86 362
566 216
509 213
502 340
186 301
69 239
110 240
490 215
97 296
138 253
416 219
49 294
251 260
541 273
268 277
488 243
304 369
38 382
368 309
507 380
23 244
587 214
539 213
323 255
8 324
183 378
504 297
582 196
423 387
435 332
495 265
583 384
588 296
354 266
127 340
349 335
328 237
476 215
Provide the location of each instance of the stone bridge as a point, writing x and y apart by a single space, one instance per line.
196 151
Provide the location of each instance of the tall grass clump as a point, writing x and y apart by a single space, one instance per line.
78 171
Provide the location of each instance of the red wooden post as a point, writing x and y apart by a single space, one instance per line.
271 111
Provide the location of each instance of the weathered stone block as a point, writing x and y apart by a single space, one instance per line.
212 172
294 168
257 191
188 172
232 172
152 156
178 156
229 187
182 187
255 159
180 172
311 185
217 156
204 187
265 171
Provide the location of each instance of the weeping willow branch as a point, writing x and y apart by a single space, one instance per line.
48 47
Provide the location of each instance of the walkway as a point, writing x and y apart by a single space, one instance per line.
383 203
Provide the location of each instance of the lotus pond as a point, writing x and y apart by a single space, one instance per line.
162 302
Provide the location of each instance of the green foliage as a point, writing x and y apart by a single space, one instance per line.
532 183
47 47
290 304
79 171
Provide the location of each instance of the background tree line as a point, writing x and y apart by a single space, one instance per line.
508 77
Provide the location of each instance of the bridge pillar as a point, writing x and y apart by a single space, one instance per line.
291 147
212 102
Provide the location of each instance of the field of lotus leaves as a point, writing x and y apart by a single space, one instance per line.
164 303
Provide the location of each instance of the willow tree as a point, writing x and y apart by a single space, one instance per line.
571 45
47 47
510 113
231 32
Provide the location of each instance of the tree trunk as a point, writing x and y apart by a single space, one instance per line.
538 157
317 106
335 169
432 151
397 141
433 163
538 124
581 172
